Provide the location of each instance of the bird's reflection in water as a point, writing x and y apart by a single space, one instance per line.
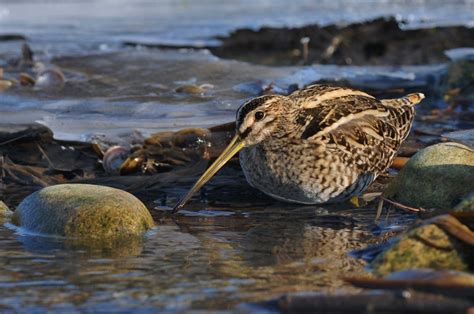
282 249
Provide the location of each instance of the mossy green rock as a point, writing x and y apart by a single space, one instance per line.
83 211
426 246
438 176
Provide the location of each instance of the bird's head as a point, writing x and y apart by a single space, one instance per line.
260 118
256 120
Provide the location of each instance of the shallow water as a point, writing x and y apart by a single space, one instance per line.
198 261
112 94
239 246
229 246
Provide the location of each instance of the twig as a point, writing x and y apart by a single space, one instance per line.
2 161
13 139
45 156
388 214
333 46
379 209
404 207
305 48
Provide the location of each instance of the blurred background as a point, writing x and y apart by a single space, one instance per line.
123 60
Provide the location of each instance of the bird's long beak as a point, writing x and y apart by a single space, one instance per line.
233 148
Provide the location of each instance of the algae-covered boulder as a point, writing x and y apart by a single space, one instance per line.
438 176
83 211
440 243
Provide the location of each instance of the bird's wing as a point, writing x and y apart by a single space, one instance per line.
361 129
328 111
347 113
315 96
355 121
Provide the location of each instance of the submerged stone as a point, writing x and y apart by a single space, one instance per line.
438 176
437 244
83 211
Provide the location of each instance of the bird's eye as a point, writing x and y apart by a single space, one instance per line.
259 115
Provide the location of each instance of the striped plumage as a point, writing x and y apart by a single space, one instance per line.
320 144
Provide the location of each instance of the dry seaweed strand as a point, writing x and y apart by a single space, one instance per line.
447 287
13 169
454 227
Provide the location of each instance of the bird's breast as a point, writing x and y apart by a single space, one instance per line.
297 172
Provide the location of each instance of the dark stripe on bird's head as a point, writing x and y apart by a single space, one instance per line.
249 106
245 133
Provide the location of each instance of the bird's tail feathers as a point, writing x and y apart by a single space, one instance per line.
410 99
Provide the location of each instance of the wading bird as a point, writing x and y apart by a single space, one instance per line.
321 144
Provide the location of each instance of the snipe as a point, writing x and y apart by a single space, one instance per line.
320 144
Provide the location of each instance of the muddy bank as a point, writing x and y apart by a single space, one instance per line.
378 42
